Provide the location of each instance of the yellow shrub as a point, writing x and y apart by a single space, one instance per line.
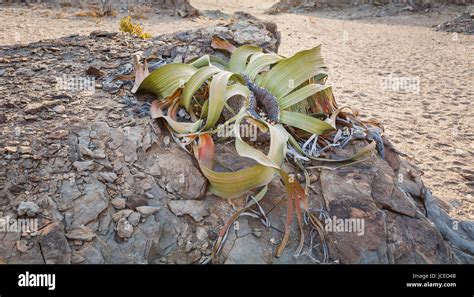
127 26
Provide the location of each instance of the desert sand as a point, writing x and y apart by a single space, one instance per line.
426 107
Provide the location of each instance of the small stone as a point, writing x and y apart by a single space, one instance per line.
83 165
59 109
189 246
25 149
81 233
96 154
37 106
31 117
11 149
28 208
109 177
166 140
195 208
21 246
257 233
124 213
60 134
147 210
118 203
134 218
124 228
3 118
201 233
93 71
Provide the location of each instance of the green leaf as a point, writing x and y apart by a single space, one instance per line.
165 80
201 61
278 140
259 61
194 83
217 97
305 122
239 58
178 127
300 95
230 185
289 73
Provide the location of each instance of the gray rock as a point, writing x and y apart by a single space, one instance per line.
88 255
134 218
201 233
108 177
118 203
124 213
124 228
84 165
196 209
176 170
81 233
54 246
28 208
69 191
87 208
147 210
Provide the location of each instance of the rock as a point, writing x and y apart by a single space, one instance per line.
121 214
118 203
88 255
11 149
59 109
28 208
367 193
24 149
93 71
81 233
147 210
95 154
201 233
3 118
108 177
21 246
176 170
87 208
249 250
134 218
196 209
38 106
124 228
54 246
69 191
84 165
60 134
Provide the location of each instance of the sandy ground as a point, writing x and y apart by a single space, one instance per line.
427 109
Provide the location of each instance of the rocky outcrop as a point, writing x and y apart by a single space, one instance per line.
105 184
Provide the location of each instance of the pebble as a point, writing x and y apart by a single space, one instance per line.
59 134
59 109
118 203
25 149
201 233
134 218
28 208
124 228
147 210
11 149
